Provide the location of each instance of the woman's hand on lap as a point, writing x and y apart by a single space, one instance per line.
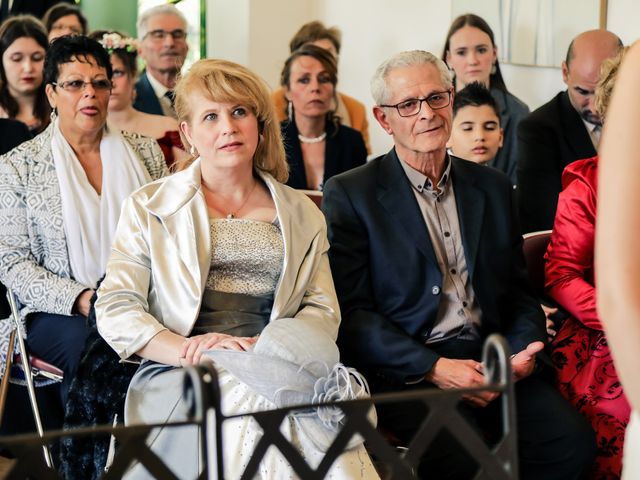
194 347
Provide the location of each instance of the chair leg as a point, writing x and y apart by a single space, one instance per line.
4 386
27 375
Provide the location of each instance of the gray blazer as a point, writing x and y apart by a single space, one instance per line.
162 255
34 260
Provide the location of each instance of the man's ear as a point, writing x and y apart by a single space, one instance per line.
565 72
501 137
381 117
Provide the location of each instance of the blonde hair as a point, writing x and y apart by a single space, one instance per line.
228 82
604 88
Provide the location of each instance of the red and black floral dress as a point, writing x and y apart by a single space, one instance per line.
586 375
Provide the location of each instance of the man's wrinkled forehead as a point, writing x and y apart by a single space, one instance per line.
413 81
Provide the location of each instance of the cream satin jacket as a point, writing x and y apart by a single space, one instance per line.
162 253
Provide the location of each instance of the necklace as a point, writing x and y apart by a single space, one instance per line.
317 139
232 215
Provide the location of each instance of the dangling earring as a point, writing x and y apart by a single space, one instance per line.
493 69
192 150
290 110
54 114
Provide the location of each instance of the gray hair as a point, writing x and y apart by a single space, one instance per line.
402 60
165 9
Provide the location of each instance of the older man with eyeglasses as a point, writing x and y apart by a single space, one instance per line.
162 32
427 261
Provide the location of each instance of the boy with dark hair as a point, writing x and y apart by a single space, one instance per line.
476 134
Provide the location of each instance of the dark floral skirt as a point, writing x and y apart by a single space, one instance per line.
587 378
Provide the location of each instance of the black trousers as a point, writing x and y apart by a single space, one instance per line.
59 340
554 440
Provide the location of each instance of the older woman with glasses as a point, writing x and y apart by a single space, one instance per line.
60 199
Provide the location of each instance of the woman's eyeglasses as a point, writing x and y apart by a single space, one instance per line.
101 85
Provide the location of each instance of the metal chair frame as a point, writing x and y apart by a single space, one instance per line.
29 373
499 462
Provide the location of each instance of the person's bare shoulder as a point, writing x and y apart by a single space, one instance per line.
156 126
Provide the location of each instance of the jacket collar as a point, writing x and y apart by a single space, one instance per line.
575 131
396 195
470 201
180 206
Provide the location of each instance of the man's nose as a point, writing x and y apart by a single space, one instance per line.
425 110
168 39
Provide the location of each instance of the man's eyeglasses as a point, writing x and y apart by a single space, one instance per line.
158 35
101 85
412 107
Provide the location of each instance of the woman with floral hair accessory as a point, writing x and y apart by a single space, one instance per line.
123 51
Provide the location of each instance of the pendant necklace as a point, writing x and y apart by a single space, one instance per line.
232 215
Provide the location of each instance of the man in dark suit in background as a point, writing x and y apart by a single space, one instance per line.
427 262
564 130
162 32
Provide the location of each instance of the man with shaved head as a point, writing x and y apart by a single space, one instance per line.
565 129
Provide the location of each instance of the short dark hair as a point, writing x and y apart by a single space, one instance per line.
474 94
11 30
314 31
128 58
471 20
66 49
60 10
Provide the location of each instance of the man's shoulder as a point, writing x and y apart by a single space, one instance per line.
481 175
362 177
548 113
142 84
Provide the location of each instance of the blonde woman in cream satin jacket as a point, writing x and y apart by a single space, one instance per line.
165 224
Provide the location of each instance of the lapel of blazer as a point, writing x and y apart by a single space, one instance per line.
43 166
470 204
332 153
297 236
180 206
146 100
396 196
575 131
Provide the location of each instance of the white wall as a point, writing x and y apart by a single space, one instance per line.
257 33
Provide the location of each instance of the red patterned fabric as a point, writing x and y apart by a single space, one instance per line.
585 372
170 139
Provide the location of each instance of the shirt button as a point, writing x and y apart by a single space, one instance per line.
435 290
453 271
447 234
464 304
